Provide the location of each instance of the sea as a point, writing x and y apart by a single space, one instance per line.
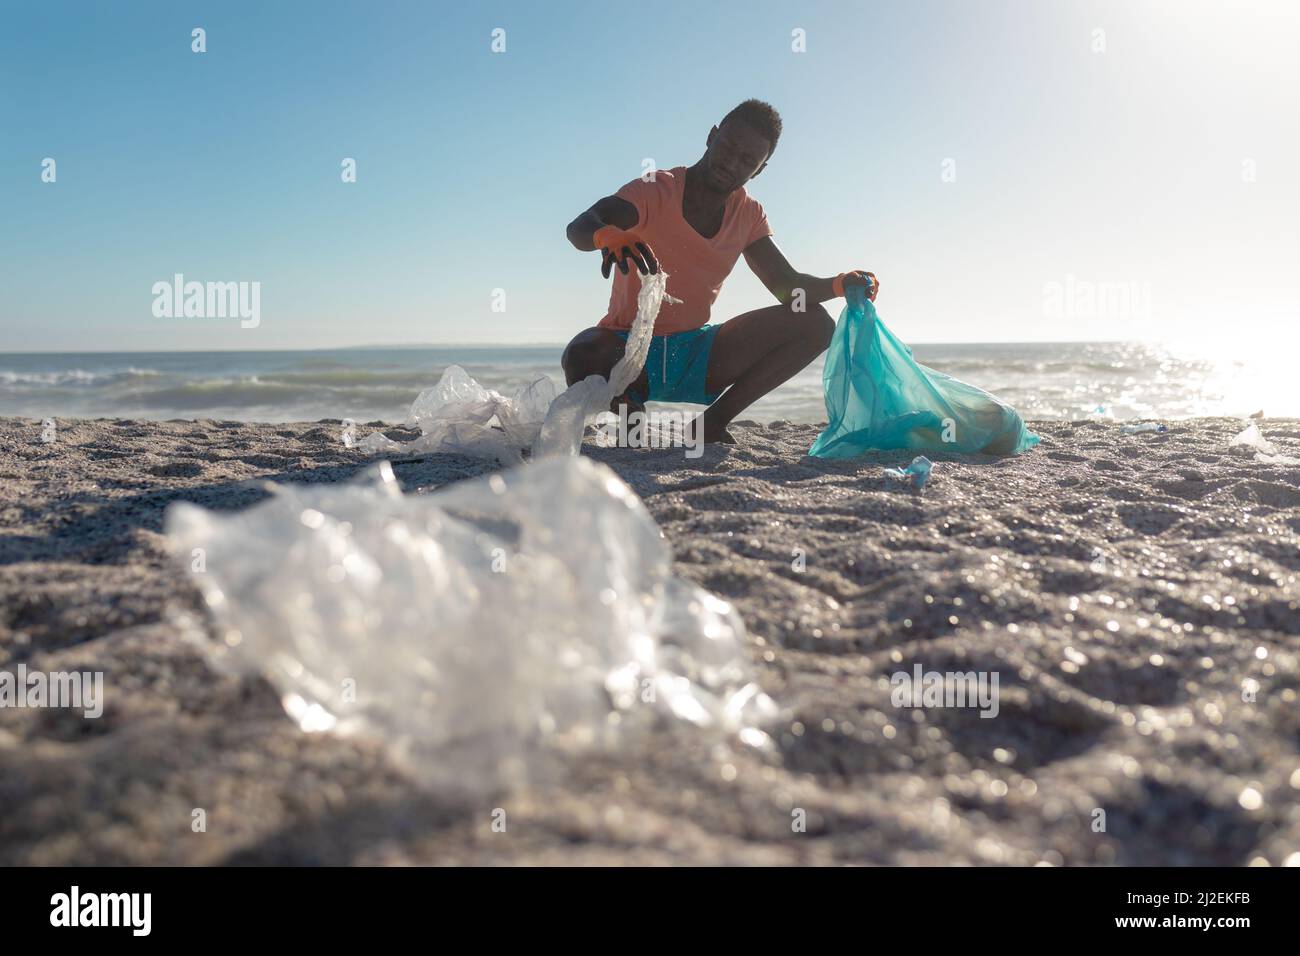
1120 380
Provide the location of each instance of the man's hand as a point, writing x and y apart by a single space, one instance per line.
618 246
859 279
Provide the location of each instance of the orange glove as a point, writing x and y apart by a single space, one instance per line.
857 277
618 245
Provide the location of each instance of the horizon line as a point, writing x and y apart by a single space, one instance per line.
500 345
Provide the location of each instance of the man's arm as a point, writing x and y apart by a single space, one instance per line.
773 269
610 211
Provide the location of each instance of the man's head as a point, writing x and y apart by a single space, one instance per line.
739 146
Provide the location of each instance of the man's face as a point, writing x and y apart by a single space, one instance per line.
736 154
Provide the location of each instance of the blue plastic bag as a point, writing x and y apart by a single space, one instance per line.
879 398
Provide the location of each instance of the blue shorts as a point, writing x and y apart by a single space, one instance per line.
677 366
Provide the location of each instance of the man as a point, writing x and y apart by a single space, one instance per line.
694 223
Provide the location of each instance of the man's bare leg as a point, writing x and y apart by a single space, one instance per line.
596 351
756 352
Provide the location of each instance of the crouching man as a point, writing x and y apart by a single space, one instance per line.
694 222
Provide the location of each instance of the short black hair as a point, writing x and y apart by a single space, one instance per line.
762 117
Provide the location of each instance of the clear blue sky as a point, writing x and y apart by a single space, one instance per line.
1121 166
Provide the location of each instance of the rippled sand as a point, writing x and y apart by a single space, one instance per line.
1132 593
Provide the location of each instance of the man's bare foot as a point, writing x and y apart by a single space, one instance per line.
632 405
716 433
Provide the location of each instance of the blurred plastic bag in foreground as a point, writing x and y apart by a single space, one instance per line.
482 630
457 414
879 398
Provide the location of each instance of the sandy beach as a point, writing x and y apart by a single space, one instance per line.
1136 594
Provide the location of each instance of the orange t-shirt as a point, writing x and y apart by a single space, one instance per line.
696 266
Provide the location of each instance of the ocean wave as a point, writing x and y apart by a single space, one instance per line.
253 391
357 378
190 390
1061 368
75 376
72 376
1040 381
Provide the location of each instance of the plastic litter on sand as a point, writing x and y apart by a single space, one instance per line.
916 474
1254 439
458 414
482 631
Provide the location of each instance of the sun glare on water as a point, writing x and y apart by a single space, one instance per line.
1245 376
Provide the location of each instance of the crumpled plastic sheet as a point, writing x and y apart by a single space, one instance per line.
1252 439
484 630
456 415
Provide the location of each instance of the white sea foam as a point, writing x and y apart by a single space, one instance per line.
72 376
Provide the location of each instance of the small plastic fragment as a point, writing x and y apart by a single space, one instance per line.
916 474
1254 439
